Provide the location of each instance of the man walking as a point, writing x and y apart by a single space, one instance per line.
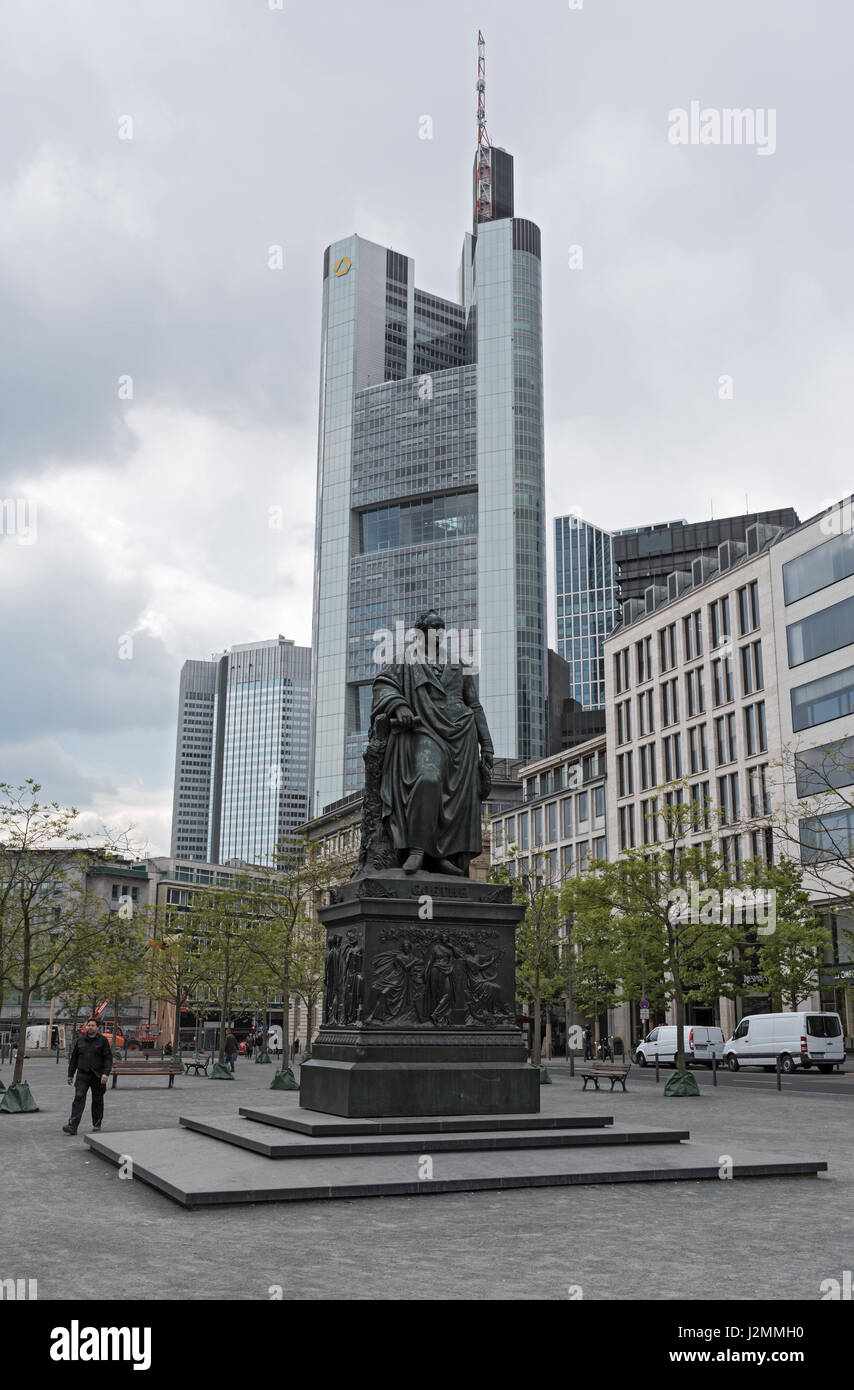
231 1049
92 1059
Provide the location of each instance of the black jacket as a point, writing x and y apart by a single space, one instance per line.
93 1055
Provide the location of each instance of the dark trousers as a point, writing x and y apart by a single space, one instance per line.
83 1082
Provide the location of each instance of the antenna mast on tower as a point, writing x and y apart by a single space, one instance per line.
484 147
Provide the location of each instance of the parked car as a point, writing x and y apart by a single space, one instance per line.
804 1039
701 1044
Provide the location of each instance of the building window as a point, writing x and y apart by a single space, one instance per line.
551 822
643 659
567 860
820 770
582 813
598 802
755 735
821 632
626 819
728 803
748 608
671 748
646 713
566 806
600 848
826 564
692 635
649 821
624 721
622 678
667 647
695 692
752 675
625 775
757 792
583 856
523 831
723 684
829 697
646 755
719 621
669 702
538 826
700 806
726 747
827 837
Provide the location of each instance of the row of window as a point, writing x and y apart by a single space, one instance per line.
673 766
668 638
551 822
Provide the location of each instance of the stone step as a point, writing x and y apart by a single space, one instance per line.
289 1115
276 1143
199 1171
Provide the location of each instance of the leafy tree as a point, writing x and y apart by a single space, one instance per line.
176 968
230 972
790 956
286 938
40 899
672 931
540 971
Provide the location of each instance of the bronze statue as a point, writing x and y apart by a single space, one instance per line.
431 757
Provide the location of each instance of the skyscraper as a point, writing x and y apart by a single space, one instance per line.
431 473
242 757
587 603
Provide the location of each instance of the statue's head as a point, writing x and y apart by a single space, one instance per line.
428 620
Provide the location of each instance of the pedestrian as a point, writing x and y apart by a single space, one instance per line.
250 1042
296 1047
588 1044
92 1059
230 1049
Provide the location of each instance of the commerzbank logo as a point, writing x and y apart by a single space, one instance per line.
342 266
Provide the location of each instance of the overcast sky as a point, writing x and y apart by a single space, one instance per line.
147 257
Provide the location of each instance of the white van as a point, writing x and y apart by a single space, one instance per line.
701 1044
804 1039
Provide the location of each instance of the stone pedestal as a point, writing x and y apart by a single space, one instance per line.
419 1006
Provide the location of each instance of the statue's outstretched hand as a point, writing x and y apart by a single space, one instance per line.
404 717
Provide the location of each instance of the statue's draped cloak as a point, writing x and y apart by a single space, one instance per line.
445 703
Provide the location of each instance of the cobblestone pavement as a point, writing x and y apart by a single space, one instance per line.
69 1221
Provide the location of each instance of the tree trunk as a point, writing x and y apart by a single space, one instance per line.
548 1034
537 1050
286 1023
25 1007
22 1034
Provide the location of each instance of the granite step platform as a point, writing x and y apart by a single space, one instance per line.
291 1116
274 1142
198 1171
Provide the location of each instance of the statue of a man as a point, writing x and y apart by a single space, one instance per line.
438 761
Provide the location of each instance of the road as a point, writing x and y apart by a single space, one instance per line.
837 1084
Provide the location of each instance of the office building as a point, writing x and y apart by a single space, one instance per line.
242 755
431 475
732 686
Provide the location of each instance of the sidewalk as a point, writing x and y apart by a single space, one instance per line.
68 1220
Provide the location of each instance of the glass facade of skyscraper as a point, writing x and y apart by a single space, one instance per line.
587 603
241 783
430 481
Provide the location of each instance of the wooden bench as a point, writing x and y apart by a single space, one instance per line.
605 1071
170 1066
198 1064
